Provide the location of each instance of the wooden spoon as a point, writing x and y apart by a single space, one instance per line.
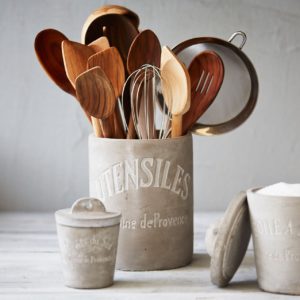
106 10
176 87
47 47
120 31
206 72
145 49
110 61
96 95
99 44
117 28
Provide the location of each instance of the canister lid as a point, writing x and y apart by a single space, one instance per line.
87 212
229 241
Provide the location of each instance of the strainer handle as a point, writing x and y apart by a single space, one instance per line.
239 33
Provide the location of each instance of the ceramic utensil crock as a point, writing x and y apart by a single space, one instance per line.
88 238
151 183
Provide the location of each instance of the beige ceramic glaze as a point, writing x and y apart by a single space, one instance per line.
151 183
275 226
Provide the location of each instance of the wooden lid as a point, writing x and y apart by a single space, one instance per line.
230 241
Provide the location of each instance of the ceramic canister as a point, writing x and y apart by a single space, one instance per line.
88 238
275 226
151 183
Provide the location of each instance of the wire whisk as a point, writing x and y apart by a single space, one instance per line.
150 115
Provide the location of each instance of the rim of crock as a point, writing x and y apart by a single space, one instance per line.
141 141
256 189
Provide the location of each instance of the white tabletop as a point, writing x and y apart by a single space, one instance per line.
30 268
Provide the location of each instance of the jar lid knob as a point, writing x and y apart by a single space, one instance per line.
87 204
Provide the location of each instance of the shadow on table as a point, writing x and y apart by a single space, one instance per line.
249 285
194 277
165 279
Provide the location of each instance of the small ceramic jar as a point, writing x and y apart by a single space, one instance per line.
88 239
275 228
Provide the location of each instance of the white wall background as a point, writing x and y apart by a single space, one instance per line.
43 133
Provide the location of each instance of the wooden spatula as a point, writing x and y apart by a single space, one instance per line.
99 44
110 61
176 88
96 95
206 73
75 57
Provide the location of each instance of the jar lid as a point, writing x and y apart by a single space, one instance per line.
87 212
227 242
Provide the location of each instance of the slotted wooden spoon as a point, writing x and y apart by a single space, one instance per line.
96 95
176 88
206 73
110 61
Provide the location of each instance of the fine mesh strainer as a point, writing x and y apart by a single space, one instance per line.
238 94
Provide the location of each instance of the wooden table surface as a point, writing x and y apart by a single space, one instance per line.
30 268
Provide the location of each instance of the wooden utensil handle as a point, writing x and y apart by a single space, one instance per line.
107 129
85 112
176 126
119 131
97 127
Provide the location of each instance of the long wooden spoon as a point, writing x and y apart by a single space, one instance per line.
206 73
106 10
117 28
145 49
176 87
49 53
96 95
110 61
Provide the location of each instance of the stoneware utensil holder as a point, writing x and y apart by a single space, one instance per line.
151 183
88 238
275 226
